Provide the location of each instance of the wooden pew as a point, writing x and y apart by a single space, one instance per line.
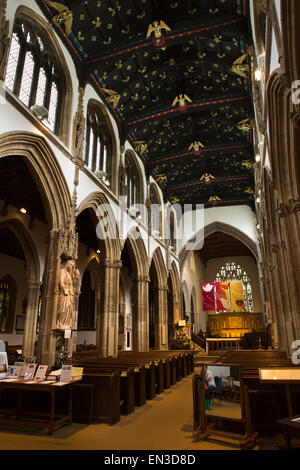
144 374
268 402
106 397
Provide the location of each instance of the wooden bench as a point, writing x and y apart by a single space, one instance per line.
268 402
144 374
106 396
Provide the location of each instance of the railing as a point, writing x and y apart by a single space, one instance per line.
222 344
199 341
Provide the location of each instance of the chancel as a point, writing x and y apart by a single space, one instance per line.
149 225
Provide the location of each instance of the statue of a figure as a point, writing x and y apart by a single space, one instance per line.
79 139
68 280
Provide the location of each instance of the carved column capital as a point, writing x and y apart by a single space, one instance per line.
145 279
112 264
162 288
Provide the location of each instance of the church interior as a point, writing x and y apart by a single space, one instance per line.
149 225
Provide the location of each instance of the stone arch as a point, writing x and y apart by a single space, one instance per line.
92 266
218 227
67 97
138 248
33 275
138 293
46 172
112 244
158 302
160 267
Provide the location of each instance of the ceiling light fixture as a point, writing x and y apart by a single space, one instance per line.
23 210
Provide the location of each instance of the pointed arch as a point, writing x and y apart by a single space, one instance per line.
33 267
45 170
138 248
218 227
160 267
107 223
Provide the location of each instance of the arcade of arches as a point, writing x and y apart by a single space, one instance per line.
94 194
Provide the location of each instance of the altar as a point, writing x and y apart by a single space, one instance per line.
234 324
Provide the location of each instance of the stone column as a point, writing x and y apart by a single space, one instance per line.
142 344
33 297
61 242
161 327
110 317
290 220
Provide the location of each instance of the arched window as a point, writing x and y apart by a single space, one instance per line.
98 150
233 272
156 214
8 293
33 73
132 181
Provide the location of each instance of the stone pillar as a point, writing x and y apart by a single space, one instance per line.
290 220
142 344
61 242
161 327
33 297
109 330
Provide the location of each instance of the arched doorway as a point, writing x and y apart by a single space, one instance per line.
158 303
99 242
86 306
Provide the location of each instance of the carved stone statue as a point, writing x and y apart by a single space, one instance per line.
68 282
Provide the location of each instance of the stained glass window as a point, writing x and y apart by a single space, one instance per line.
234 272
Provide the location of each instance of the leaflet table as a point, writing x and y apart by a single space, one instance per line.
29 386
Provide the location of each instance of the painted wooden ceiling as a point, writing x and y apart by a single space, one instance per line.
176 76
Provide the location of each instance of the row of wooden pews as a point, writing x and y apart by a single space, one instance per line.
268 401
122 383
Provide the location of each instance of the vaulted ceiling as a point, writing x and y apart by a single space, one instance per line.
222 245
139 75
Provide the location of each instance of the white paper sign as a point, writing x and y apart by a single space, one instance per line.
68 334
66 373
29 374
41 373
